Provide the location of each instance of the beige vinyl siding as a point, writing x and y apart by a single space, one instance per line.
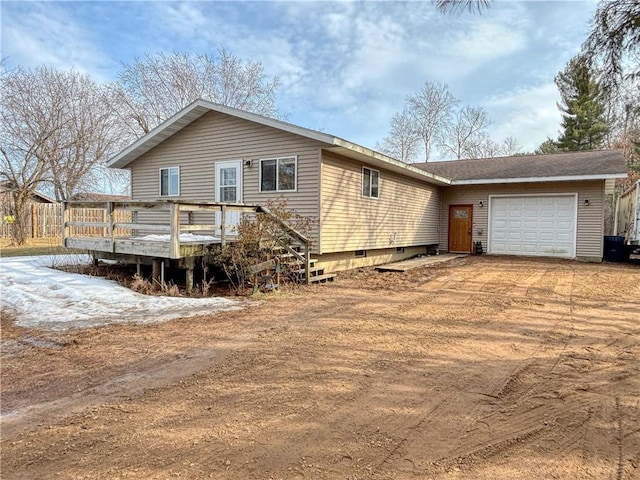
340 261
219 137
590 218
405 214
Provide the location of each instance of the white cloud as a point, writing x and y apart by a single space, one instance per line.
44 34
529 114
345 67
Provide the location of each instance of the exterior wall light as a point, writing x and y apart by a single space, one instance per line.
586 202
481 204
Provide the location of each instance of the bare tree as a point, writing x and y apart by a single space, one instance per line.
511 146
55 130
431 109
30 121
464 134
403 139
86 139
152 89
452 6
485 147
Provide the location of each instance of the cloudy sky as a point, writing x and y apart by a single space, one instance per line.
345 67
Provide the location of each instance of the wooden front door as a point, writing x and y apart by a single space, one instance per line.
460 228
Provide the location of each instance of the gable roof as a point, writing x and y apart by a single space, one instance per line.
583 165
201 107
586 165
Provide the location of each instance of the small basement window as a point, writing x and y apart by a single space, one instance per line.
170 182
370 183
360 253
278 174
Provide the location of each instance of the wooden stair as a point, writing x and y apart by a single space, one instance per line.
293 254
316 274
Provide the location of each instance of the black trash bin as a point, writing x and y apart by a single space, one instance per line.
614 250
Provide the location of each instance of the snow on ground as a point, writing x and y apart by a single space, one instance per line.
43 297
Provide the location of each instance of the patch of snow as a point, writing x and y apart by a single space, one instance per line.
42 297
184 238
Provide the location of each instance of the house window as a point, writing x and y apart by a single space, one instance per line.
278 174
370 183
170 182
360 253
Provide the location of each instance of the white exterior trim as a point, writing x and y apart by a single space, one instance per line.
362 195
277 190
169 180
517 195
572 178
229 163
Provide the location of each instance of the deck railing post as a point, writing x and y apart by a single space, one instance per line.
174 223
223 224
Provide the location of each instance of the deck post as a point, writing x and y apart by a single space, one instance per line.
223 224
189 280
155 272
174 222
189 275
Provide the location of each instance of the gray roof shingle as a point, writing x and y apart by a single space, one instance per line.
566 164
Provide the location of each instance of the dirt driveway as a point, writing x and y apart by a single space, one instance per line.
484 368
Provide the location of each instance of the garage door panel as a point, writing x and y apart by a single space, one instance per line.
562 224
533 225
514 223
546 224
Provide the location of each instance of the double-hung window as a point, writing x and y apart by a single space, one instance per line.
370 183
278 174
170 182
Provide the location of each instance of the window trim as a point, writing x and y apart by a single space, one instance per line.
370 177
277 160
169 177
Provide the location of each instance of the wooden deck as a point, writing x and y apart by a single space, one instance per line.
152 232
163 228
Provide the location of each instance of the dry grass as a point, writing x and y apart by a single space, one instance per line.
34 246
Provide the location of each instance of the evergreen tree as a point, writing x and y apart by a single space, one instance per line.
584 124
548 146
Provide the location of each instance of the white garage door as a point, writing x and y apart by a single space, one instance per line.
533 225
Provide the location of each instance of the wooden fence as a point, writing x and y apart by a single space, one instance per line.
45 220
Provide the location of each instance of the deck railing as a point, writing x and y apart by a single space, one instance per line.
124 226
